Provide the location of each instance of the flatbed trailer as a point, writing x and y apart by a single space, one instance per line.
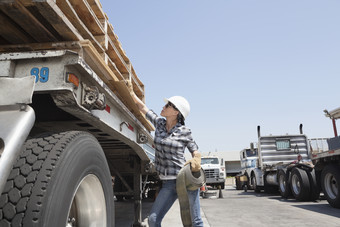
72 140
66 114
326 160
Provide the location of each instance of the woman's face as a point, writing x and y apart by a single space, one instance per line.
168 110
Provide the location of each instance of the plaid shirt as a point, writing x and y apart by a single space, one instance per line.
170 147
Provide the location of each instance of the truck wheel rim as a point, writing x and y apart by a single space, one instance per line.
88 206
331 186
282 182
296 184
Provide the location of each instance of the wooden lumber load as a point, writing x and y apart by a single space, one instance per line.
77 25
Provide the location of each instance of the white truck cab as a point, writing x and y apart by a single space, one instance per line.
249 161
214 170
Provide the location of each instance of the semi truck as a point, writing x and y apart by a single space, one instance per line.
71 137
295 165
214 170
248 159
274 153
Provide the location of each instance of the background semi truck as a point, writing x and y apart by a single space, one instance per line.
71 137
274 152
295 165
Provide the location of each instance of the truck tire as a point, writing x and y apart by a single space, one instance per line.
314 187
59 180
330 183
253 183
299 184
283 180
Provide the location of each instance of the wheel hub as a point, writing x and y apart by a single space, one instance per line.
296 184
331 186
88 206
282 182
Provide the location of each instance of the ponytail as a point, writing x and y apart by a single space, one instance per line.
180 119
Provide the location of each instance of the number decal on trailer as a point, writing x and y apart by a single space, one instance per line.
41 75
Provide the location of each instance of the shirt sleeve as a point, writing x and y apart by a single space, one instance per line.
152 117
191 144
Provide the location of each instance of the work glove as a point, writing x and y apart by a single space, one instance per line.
195 163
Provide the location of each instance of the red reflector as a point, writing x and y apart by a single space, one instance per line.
73 79
131 128
299 157
331 152
108 108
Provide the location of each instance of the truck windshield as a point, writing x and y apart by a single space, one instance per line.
209 161
251 153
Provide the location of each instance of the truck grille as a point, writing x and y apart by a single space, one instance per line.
211 173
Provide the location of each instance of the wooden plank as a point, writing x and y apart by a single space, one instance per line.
26 2
138 81
46 23
124 65
11 32
20 15
88 17
76 46
118 45
128 101
72 16
103 41
105 72
97 8
114 69
6 1
138 87
117 58
3 41
98 62
51 12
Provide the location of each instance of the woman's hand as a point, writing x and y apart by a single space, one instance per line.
141 105
195 162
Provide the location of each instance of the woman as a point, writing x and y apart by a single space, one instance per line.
171 139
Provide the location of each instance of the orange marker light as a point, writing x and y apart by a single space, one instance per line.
73 79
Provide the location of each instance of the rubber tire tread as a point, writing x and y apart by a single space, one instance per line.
335 170
305 186
314 188
23 200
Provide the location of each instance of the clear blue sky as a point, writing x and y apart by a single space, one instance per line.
239 63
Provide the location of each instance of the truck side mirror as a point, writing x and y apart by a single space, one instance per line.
252 146
221 161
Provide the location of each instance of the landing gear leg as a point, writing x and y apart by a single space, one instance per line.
137 183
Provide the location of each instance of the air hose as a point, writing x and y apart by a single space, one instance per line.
187 180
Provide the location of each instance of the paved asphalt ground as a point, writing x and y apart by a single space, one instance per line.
243 209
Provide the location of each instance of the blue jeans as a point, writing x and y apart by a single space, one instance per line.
166 198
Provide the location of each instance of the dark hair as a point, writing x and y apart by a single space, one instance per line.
180 118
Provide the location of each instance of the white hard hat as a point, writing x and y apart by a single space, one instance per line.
181 104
